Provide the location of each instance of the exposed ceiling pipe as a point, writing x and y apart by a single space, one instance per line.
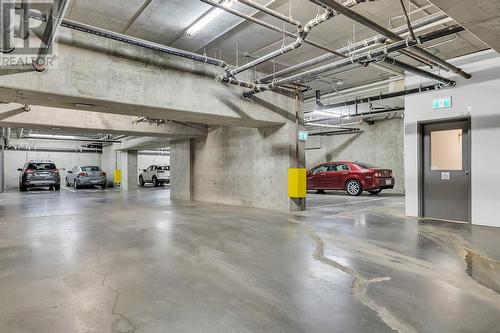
332 4
374 98
143 43
340 132
54 19
378 55
344 52
275 14
7 26
302 32
372 113
407 18
58 150
76 139
24 27
265 24
359 89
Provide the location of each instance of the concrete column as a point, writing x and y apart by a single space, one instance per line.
109 163
129 169
181 155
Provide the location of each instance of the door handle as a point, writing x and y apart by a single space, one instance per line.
466 173
345 173
322 174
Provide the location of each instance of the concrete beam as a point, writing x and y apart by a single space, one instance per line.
143 143
112 77
480 17
41 117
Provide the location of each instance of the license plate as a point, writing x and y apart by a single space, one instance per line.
388 182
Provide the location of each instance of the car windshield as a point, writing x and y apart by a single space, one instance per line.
90 168
164 168
365 165
42 166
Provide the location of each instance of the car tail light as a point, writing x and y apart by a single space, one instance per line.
30 171
103 173
378 174
83 174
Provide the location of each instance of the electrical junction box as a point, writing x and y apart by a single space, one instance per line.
297 183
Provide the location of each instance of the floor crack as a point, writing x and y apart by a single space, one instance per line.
360 284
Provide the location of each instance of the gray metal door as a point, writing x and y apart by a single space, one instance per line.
446 162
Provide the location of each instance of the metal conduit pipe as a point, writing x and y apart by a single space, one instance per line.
338 7
143 43
24 27
7 26
378 55
54 19
303 32
343 52
379 97
265 24
272 13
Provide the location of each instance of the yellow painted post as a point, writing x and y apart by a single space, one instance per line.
297 183
118 178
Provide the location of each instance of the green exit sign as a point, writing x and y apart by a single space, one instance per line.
303 135
442 103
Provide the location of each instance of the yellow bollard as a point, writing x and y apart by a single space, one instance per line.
297 183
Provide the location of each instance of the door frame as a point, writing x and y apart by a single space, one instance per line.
420 159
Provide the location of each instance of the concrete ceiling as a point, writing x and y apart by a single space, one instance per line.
481 17
238 41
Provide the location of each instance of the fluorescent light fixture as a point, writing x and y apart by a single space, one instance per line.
209 18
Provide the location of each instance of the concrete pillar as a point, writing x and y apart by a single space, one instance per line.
129 169
181 155
109 163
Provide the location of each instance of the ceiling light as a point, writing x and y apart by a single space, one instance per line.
208 18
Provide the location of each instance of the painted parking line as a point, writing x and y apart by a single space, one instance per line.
350 203
68 189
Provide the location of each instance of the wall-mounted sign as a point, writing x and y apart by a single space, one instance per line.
441 103
303 136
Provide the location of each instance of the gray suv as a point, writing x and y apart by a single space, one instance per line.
39 174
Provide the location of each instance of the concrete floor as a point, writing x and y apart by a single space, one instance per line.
107 261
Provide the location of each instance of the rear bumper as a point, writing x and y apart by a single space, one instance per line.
41 183
384 183
90 182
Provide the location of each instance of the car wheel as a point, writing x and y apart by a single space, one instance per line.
155 182
51 188
57 187
22 188
353 188
75 185
320 191
375 192
141 181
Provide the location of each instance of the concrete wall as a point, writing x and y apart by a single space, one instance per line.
180 170
380 144
477 97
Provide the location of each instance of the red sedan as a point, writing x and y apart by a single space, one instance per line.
352 177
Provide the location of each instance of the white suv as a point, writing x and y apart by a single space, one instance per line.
155 174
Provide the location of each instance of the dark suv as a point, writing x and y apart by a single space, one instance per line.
39 174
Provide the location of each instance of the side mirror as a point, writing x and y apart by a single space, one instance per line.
143 170
20 169
70 171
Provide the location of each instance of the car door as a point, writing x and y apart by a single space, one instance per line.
316 179
71 176
336 176
149 174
